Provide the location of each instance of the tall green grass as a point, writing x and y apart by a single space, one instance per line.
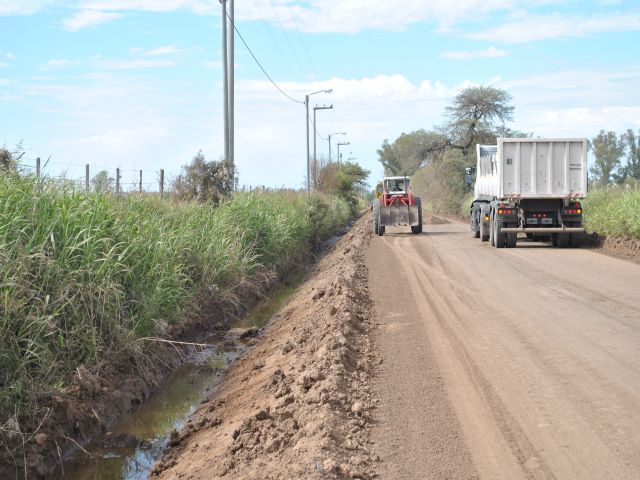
613 211
83 276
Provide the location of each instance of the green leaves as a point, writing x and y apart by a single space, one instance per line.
83 275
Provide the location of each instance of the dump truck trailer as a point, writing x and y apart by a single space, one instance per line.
532 187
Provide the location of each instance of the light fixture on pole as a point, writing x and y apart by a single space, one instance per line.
334 133
306 106
315 135
339 157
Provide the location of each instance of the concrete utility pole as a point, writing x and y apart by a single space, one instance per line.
225 79
346 143
306 107
315 132
330 135
232 37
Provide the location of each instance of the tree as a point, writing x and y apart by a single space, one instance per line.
206 181
632 169
102 182
608 149
410 151
475 116
346 179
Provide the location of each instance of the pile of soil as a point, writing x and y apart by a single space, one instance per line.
298 404
625 248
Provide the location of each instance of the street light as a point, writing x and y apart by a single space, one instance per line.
315 134
346 143
306 105
334 133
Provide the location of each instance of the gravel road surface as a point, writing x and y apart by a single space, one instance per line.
510 363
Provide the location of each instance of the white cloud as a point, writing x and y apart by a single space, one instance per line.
200 7
21 7
532 28
60 62
89 18
490 52
4 81
352 16
166 50
133 64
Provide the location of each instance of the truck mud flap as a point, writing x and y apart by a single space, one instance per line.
399 215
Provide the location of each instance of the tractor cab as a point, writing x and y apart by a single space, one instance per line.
396 185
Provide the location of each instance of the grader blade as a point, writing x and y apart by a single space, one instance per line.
395 215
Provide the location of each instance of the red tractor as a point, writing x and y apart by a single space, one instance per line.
397 205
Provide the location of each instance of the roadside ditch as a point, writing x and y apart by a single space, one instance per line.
115 424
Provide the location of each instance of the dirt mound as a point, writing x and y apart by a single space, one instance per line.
626 248
298 404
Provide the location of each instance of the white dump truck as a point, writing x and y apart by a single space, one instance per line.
532 186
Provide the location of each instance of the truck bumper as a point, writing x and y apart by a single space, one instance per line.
399 215
542 230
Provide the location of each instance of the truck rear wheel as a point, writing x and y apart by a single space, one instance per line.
380 230
512 239
500 238
484 231
561 240
576 240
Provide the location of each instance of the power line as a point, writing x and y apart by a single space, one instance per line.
304 46
286 38
260 65
275 42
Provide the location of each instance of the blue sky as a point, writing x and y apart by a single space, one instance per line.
136 84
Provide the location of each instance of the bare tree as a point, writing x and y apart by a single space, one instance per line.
475 115
206 181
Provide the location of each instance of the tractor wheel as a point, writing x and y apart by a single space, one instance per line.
419 204
376 217
500 238
576 240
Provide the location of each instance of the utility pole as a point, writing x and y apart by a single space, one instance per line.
225 80
315 135
86 177
232 36
306 106
346 143
330 135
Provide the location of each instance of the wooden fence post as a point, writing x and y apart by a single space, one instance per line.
38 168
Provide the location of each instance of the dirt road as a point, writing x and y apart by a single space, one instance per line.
511 363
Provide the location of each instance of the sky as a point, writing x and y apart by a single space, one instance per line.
137 84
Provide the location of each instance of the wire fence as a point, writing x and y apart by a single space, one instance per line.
117 180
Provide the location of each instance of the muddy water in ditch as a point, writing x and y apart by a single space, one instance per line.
138 439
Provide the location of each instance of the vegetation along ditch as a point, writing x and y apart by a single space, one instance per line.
94 285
